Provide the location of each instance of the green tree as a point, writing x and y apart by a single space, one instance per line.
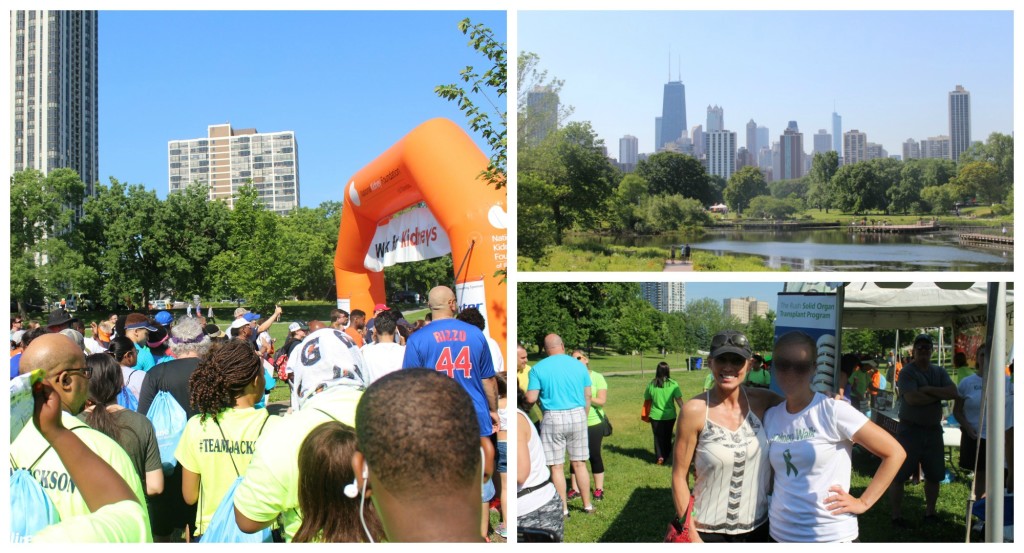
309 238
981 178
667 213
625 203
675 173
494 81
420 276
862 186
575 174
531 77
192 230
997 150
254 237
637 330
535 227
823 168
744 185
783 189
761 332
702 319
769 207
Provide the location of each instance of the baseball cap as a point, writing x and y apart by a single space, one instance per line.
213 331
380 307
158 337
239 323
250 316
76 336
164 318
924 338
296 326
730 341
138 320
240 311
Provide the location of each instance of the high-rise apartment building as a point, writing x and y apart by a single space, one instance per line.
855 147
228 159
959 122
752 138
791 160
697 137
667 297
876 151
763 140
937 147
541 114
716 119
822 142
629 146
55 92
744 309
721 153
911 149
673 113
837 133
657 134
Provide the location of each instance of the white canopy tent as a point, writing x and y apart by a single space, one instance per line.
889 305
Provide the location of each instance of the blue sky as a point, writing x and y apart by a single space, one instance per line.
718 291
350 84
888 74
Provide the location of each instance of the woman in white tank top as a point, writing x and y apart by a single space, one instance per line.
720 431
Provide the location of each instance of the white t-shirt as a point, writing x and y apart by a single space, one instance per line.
970 388
380 359
496 359
810 452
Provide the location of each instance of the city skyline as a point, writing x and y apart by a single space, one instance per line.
327 76
889 97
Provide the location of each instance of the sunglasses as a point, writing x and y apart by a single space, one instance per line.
731 339
86 372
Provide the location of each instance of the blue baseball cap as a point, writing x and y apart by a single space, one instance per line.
164 318
251 316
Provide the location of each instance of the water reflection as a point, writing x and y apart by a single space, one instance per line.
833 250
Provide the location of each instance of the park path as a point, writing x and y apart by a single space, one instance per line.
678 266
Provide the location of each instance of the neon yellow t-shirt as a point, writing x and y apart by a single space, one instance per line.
523 379
204 451
271 485
121 522
597 383
54 478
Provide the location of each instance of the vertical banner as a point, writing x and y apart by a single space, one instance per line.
969 332
472 294
815 315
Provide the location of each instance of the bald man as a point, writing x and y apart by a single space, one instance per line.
459 350
562 384
66 371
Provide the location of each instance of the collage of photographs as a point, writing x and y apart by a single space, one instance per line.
754 269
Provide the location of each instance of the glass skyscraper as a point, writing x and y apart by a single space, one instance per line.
673 113
959 122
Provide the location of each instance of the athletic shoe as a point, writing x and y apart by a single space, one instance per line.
589 510
572 494
502 531
661 460
598 494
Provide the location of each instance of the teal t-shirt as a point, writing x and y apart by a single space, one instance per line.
599 383
561 380
663 406
146 360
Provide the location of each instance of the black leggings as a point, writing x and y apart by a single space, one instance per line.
595 434
662 437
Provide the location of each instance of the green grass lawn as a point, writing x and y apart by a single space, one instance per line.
638 504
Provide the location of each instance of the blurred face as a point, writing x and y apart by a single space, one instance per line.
521 359
16 325
72 384
300 334
138 335
729 369
793 368
342 320
922 353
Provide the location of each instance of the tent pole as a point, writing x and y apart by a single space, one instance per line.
995 461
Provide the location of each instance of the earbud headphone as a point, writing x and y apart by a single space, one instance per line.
362 499
351 491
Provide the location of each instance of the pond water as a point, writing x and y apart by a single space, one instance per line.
835 249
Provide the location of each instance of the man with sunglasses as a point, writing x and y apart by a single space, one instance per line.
923 386
68 375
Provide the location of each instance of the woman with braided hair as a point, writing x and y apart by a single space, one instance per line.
218 442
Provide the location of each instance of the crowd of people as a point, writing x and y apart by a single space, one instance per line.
765 465
157 429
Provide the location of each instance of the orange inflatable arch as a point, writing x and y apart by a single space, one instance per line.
438 164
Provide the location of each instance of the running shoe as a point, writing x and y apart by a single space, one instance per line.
502 531
573 494
598 494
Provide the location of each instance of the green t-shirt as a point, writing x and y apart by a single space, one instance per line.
121 522
523 379
759 379
271 485
662 405
206 452
597 383
859 383
54 478
963 372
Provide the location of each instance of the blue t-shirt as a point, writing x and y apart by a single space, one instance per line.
459 350
15 365
561 380
146 360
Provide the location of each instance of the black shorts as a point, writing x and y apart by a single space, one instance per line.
967 450
923 445
757 535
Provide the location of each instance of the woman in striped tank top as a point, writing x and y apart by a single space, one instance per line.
720 431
